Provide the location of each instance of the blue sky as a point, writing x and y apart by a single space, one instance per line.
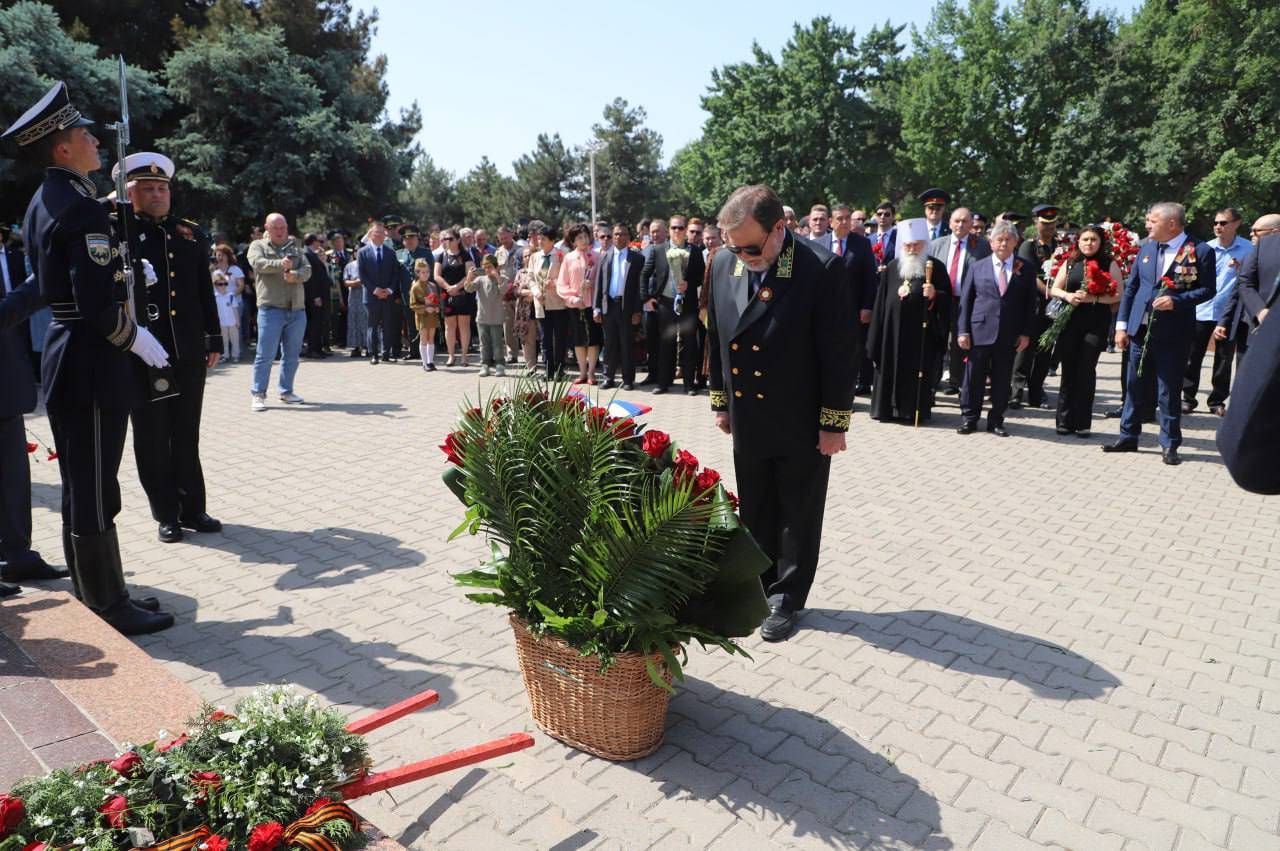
490 78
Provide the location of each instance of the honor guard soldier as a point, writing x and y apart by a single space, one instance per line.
94 353
781 330
184 317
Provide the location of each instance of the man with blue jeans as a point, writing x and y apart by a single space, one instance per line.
280 270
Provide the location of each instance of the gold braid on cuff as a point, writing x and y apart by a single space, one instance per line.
831 417
719 399
122 336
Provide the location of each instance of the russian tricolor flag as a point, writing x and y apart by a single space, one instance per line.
617 407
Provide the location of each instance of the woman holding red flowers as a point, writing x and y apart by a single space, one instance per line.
1089 282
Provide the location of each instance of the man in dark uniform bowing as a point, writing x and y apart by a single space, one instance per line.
182 314
782 330
93 356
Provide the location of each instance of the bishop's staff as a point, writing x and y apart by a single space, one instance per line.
924 333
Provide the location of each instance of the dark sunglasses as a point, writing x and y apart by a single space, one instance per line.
677 227
749 250
1223 224
883 213
448 239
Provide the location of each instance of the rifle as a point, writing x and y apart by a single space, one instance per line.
161 383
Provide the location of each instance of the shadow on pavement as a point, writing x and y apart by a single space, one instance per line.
325 661
76 660
358 409
844 796
972 647
325 558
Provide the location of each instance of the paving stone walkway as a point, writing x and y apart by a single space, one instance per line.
1016 643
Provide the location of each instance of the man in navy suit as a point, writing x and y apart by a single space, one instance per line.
1249 437
860 268
380 276
997 311
957 251
885 234
1259 282
1161 321
617 305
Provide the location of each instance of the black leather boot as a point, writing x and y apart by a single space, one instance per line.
101 580
151 604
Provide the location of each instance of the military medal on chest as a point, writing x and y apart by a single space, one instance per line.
765 294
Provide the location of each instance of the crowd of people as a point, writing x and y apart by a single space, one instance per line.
952 303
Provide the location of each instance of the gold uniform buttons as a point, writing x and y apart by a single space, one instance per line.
170 255
758 373
173 274
737 393
173 313
173 292
759 395
733 346
755 348
736 370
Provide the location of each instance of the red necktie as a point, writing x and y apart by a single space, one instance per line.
838 244
1004 280
955 265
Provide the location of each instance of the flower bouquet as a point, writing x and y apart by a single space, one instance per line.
1097 282
267 777
608 543
678 260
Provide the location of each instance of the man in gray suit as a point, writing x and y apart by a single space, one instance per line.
956 251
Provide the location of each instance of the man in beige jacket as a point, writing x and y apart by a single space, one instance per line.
279 271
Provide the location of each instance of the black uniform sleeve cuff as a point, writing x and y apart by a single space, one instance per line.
830 419
719 400
213 343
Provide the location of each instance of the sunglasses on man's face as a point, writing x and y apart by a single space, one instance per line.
677 227
1223 224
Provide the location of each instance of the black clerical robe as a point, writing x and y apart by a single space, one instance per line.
907 335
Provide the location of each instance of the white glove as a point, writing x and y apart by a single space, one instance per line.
149 272
146 346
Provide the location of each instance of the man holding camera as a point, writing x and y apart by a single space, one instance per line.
279 271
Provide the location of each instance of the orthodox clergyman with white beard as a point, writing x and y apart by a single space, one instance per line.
909 328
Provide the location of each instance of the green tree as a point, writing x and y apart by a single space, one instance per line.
144 31
1185 111
545 182
988 89
630 179
430 195
34 53
803 123
485 197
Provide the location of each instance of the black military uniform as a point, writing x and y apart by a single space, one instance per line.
90 378
782 365
1031 366
181 312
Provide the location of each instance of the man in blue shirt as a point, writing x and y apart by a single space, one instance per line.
1211 319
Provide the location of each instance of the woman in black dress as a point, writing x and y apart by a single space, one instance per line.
1085 335
456 270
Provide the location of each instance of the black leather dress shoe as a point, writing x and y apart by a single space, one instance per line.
967 428
607 384
1062 431
1114 413
779 625
998 431
170 533
951 391
1124 444
1170 456
628 386
1015 405
201 523
32 570
689 391
658 391
147 604
7 590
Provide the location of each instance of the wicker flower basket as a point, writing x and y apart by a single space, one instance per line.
619 714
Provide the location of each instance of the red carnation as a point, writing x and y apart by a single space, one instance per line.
1167 283
12 812
53 456
686 466
452 448
115 810
878 251
706 480
319 803
574 401
32 447
219 715
656 443
181 740
127 764
266 837
214 843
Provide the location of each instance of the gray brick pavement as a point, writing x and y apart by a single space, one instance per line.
1013 643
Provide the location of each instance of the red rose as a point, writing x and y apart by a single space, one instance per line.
320 802
266 837
214 843
597 417
686 466
656 443
452 448
206 783
32 447
574 401
732 497
12 812
127 764
181 740
218 715
706 480
623 428
115 810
